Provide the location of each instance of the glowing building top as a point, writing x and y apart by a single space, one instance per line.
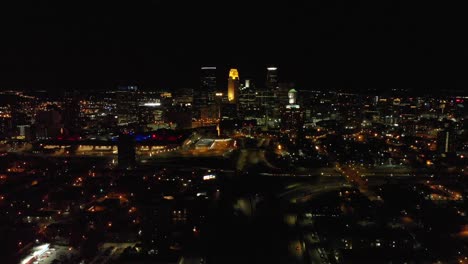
292 98
272 78
233 74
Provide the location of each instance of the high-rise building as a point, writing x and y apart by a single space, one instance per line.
272 78
248 106
292 97
247 83
126 100
147 110
292 120
233 86
205 94
208 82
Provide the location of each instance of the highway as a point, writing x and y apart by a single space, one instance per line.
353 175
304 192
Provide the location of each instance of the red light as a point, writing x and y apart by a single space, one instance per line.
153 136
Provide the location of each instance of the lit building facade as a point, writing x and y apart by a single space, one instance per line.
248 106
233 86
205 95
272 78
126 100
292 120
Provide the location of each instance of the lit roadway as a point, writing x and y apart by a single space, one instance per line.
304 192
308 248
362 177
353 175
314 249
256 156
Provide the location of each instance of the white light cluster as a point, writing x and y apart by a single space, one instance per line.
209 177
37 252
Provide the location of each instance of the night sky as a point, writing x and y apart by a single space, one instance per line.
162 44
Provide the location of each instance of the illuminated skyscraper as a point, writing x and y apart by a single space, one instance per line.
272 78
233 86
208 83
292 120
126 100
205 94
292 96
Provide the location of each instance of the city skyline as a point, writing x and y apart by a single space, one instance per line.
207 132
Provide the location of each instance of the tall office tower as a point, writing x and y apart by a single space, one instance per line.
208 82
247 83
292 97
233 86
126 151
126 100
272 78
248 106
292 120
205 94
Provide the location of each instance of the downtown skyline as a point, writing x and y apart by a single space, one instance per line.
206 132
